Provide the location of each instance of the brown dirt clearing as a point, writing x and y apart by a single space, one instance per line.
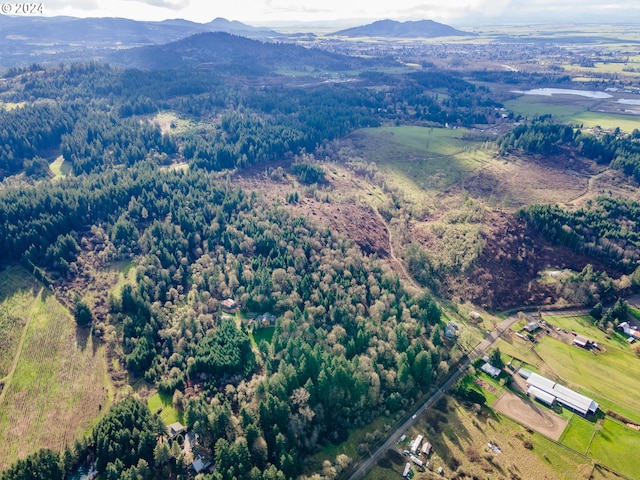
530 415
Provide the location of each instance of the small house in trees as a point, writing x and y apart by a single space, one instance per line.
176 429
199 465
266 320
229 304
451 331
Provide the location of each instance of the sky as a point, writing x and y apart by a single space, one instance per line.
456 12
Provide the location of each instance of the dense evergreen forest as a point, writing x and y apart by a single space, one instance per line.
544 137
606 229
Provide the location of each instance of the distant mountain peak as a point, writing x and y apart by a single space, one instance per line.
409 29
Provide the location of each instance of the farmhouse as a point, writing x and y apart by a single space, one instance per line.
490 370
266 320
532 327
450 331
567 397
200 465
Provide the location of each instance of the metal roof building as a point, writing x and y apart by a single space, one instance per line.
490 369
541 395
569 398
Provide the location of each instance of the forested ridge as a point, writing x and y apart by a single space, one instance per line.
606 229
545 137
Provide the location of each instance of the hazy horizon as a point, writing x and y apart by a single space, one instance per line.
290 12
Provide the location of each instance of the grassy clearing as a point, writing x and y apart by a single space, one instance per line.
60 167
169 413
616 446
8 106
59 387
349 446
17 293
126 275
259 334
578 434
419 159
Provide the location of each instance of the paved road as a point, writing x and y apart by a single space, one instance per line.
360 469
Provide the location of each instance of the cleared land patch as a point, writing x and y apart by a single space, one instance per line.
59 386
530 415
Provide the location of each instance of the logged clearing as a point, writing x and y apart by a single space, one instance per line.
59 386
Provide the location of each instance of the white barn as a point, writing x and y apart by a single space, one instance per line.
567 397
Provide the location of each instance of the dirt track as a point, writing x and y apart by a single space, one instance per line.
531 415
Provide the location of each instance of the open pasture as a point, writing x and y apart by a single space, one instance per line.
605 113
420 159
59 386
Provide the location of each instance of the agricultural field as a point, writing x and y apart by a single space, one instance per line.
17 292
577 110
59 386
607 375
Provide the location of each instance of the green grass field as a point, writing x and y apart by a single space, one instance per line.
616 446
169 413
571 109
60 167
419 159
259 334
59 386
578 434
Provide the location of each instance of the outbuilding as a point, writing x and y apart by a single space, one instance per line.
581 341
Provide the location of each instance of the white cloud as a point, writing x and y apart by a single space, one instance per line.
169 4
